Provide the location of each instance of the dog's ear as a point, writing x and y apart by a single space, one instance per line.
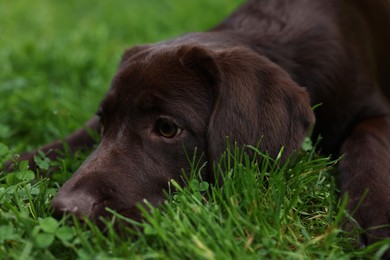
200 60
131 53
256 99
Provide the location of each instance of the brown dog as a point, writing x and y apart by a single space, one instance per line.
256 74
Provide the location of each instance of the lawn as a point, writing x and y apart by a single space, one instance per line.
56 62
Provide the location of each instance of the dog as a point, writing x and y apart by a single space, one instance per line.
254 76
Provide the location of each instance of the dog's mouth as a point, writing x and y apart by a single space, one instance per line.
104 215
104 209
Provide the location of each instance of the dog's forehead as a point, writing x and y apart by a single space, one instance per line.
157 80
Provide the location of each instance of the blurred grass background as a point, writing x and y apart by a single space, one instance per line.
57 58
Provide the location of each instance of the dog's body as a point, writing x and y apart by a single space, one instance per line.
255 75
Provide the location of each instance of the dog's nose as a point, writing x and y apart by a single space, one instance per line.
80 205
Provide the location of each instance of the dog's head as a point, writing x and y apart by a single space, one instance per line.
165 103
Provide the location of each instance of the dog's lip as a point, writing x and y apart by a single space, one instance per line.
96 206
102 205
132 213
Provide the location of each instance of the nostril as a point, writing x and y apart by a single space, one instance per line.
80 205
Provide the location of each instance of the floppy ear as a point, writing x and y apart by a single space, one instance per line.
133 52
202 61
256 99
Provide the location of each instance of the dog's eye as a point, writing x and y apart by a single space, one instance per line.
167 128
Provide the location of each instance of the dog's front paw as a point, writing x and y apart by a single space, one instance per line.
371 215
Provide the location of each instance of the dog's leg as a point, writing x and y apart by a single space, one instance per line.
81 138
365 167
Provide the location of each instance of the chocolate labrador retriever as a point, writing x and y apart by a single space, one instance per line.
256 75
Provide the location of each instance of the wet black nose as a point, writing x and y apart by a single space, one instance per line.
78 204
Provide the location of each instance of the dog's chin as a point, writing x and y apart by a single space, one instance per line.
121 219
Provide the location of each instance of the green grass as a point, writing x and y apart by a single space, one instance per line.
57 60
